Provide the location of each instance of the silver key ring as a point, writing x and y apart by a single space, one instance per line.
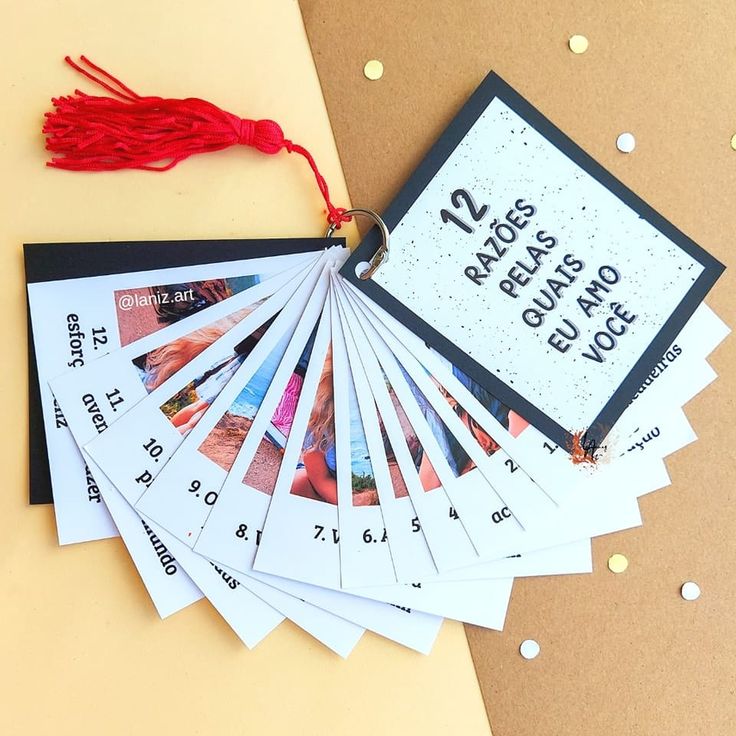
381 255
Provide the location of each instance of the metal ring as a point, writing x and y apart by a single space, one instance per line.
381 255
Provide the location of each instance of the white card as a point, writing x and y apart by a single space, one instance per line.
167 581
250 607
252 618
565 559
410 628
480 602
336 633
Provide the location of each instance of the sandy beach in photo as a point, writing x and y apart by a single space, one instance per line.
397 480
264 469
224 441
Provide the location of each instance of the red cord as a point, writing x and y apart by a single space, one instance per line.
126 131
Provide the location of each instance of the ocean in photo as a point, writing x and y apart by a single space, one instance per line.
250 398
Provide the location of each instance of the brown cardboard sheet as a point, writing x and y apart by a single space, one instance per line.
621 654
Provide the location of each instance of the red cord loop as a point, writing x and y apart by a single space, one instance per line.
128 131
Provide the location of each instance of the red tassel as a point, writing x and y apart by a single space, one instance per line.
127 131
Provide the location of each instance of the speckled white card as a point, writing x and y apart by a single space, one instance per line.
533 269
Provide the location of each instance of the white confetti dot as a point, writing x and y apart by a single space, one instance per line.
690 591
529 649
626 142
361 268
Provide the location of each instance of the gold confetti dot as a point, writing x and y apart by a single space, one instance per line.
373 69
617 563
578 44
733 141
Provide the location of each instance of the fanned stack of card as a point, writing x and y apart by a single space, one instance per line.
267 429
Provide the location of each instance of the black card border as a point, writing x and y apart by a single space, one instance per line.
491 87
62 261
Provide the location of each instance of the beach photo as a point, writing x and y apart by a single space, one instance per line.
186 406
159 364
266 464
397 479
223 443
457 458
512 421
315 474
362 480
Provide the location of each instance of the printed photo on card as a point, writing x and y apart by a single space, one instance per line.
97 394
469 449
435 516
475 503
94 395
412 629
234 526
301 534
